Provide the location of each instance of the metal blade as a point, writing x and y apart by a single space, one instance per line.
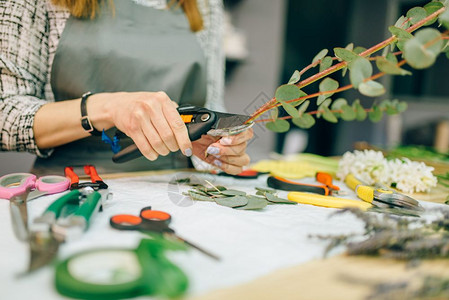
229 120
19 215
43 248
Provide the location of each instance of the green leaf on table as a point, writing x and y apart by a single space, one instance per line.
233 193
444 18
389 67
320 55
278 126
295 77
348 113
232 202
327 85
359 111
376 114
345 54
416 15
305 121
371 88
326 63
430 9
303 107
265 190
359 50
329 116
254 203
274 199
421 52
360 69
199 197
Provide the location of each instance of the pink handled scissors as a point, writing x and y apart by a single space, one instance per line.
17 184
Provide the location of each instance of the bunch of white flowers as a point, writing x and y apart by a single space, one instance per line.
371 167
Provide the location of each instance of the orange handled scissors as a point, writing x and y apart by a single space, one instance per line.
151 221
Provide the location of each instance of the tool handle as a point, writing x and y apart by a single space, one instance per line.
366 193
52 184
56 207
129 153
352 182
326 179
70 174
9 187
92 172
125 222
327 201
280 183
89 206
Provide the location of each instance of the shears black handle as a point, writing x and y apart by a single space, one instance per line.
198 121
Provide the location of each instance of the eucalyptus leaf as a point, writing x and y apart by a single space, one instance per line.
306 121
288 92
337 104
402 23
392 58
421 51
389 67
350 47
195 196
326 63
303 107
295 77
278 126
274 113
376 114
348 113
360 69
359 50
254 203
274 199
444 18
265 190
430 8
359 110
320 55
232 202
290 109
400 33
416 14
371 88
233 193
328 84
345 54
329 116
402 106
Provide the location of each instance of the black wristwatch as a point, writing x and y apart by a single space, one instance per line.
85 122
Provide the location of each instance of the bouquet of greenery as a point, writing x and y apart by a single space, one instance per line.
418 38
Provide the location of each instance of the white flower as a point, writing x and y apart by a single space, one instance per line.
371 167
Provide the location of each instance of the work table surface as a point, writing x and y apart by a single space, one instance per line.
251 244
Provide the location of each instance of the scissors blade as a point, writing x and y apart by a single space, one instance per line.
19 218
43 249
229 124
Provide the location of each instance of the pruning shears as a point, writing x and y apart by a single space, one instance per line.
326 187
198 121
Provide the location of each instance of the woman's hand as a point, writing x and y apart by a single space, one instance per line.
227 153
152 121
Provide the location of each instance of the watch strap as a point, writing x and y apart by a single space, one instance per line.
85 121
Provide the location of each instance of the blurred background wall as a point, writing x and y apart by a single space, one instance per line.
267 40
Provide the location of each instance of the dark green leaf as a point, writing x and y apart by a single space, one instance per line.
278 126
303 107
431 8
416 14
272 198
233 193
233 202
328 84
376 114
389 67
295 77
359 110
254 203
265 190
348 113
199 197
360 69
345 54
421 51
320 55
371 88
306 121
326 63
329 116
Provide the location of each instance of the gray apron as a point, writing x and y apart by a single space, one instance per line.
136 48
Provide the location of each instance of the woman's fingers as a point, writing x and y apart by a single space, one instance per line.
144 146
219 149
178 128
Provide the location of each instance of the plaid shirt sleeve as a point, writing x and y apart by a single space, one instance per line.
24 33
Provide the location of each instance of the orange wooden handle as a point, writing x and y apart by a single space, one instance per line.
68 171
92 172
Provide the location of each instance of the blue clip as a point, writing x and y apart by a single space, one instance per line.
115 146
